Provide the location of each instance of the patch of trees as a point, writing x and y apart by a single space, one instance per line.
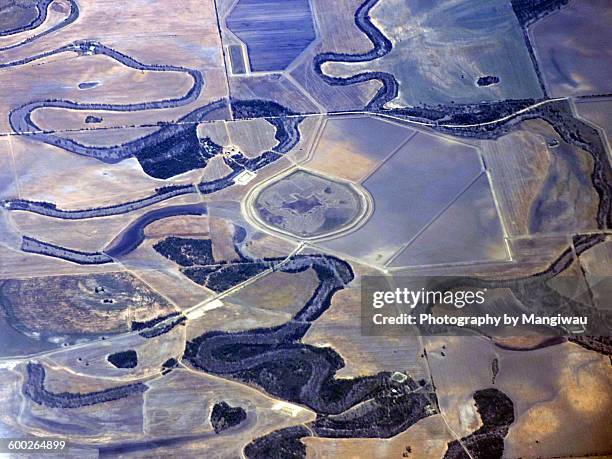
224 416
125 359
186 251
496 411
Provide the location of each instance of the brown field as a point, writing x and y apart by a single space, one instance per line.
180 404
559 392
88 366
352 147
47 173
340 329
338 33
426 439
234 317
142 30
278 292
541 189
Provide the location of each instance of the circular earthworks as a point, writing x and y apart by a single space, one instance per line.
307 206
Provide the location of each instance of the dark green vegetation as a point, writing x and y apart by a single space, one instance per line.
224 416
230 275
390 409
32 245
159 325
487 80
280 444
180 152
246 109
275 360
393 408
460 114
137 326
529 11
124 359
170 363
90 119
34 388
601 344
163 328
497 414
197 261
186 252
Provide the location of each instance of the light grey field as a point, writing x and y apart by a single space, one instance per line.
573 47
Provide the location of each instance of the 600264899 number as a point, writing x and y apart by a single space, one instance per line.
40 445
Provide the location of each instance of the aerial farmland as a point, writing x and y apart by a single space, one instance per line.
198 198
